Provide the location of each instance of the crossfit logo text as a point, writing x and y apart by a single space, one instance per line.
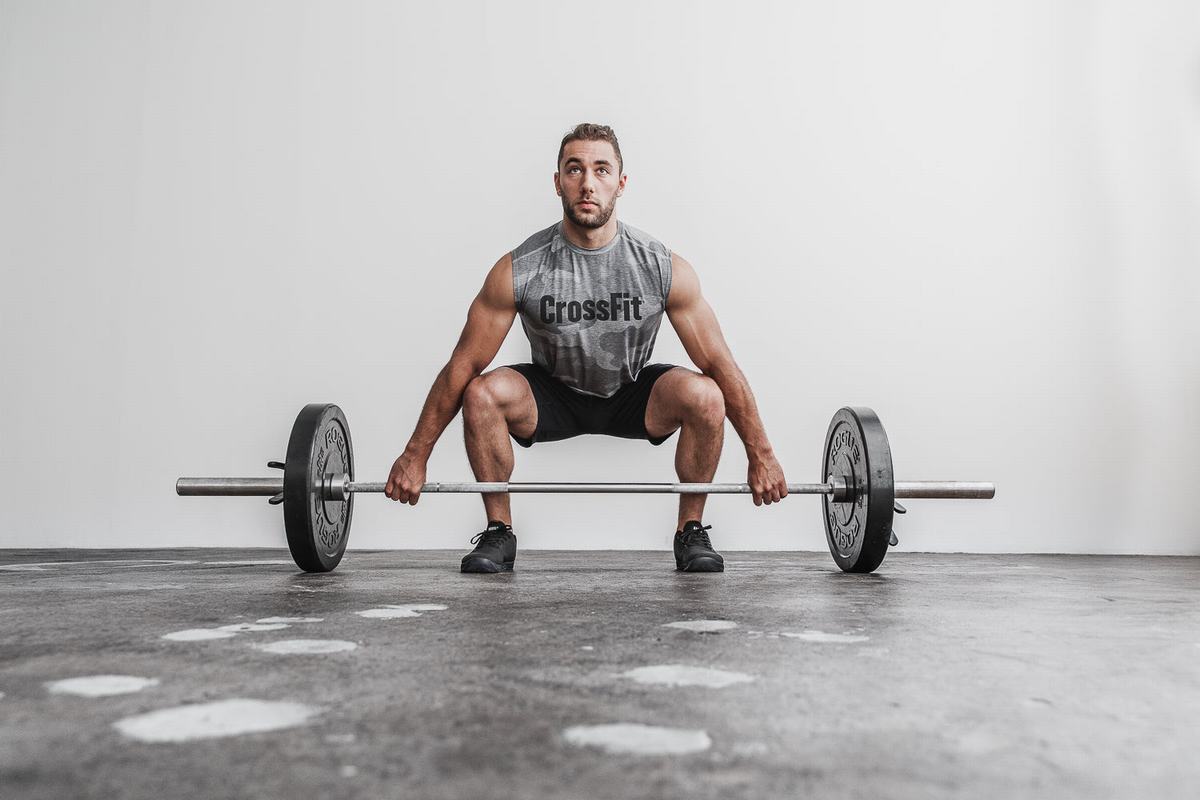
618 306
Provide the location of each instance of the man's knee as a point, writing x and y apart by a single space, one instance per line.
703 401
490 392
479 399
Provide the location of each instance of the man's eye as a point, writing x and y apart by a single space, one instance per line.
603 169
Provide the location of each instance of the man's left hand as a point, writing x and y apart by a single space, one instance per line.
766 480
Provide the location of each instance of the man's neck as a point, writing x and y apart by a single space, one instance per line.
589 238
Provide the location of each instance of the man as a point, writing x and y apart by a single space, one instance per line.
591 292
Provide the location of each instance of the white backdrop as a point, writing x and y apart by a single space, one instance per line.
979 218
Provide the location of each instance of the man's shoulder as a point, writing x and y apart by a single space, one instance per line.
538 241
637 237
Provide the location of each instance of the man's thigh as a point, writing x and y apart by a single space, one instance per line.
515 397
664 413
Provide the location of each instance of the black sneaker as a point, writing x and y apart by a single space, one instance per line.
495 549
693 550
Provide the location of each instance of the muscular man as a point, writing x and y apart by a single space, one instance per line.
591 292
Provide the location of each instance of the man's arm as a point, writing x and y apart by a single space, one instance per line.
700 333
488 321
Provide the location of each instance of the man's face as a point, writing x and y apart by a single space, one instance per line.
588 182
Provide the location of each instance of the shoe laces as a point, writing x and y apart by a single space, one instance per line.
491 536
697 536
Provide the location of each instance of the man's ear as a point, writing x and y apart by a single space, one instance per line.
557 188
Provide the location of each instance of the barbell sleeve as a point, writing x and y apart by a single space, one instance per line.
228 487
945 490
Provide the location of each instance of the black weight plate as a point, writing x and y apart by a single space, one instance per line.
857 449
317 529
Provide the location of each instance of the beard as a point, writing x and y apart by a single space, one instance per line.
589 219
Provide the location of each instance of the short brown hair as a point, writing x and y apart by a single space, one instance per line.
591 132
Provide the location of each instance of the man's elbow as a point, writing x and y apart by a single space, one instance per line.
463 368
719 368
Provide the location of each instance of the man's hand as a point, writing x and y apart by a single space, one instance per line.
406 479
766 480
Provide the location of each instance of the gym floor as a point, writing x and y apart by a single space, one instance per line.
204 673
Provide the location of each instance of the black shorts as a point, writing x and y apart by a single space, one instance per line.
564 412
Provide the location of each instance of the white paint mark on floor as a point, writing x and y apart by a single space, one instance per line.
821 637
703 625
42 566
385 613
683 675
226 631
273 562
397 612
214 720
348 771
251 627
101 685
199 635
587 647
298 647
635 739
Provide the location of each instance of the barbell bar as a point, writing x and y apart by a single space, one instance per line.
317 489
337 487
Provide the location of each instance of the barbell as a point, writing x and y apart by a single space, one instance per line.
317 489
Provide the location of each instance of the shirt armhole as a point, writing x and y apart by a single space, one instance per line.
664 274
517 299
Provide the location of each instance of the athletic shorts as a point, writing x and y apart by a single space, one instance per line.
564 412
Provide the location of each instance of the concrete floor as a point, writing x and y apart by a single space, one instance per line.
940 676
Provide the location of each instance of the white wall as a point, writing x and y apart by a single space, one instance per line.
979 218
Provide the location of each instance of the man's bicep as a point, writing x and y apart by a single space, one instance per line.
489 318
701 336
694 320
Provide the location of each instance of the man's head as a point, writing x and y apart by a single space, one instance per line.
591 174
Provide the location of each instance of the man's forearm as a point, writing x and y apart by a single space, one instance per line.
742 410
443 402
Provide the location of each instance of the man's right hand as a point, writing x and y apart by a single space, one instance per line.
406 479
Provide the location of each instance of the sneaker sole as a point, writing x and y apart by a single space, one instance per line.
486 565
701 564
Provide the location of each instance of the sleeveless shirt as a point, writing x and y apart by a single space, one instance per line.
591 316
